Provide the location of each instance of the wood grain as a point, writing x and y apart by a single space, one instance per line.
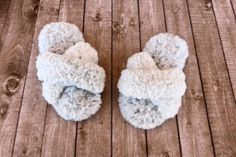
233 2
60 135
220 102
4 5
193 123
30 129
14 58
94 135
226 22
127 140
165 137
205 124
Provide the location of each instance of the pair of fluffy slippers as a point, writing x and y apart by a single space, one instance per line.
72 80
152 86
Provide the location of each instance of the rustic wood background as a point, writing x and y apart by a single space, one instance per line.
206 123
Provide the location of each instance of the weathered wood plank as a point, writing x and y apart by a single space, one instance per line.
60 135
233 2
14 57
72 11
94 135
152 19
127 140
218 93
162 140
30 129
194 129
4 5
226 22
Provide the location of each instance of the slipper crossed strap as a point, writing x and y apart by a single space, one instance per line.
71 79
150 90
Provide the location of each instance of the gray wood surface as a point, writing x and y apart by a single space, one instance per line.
206 123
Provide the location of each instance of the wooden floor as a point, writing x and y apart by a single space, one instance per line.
206 123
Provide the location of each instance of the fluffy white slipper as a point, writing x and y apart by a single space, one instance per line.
152 83
81 52
71 79
77 104
57 69
146 113
148 95
58 37
167 50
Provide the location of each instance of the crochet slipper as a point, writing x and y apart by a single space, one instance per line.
58 37
167 50
71 79
149 95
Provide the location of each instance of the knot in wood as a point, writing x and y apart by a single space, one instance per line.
208 6
116 27
189 124
97 17
32 11
196 95
11 84
132 23
216 85
36 8
3 110
24 151
166 154
50 10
